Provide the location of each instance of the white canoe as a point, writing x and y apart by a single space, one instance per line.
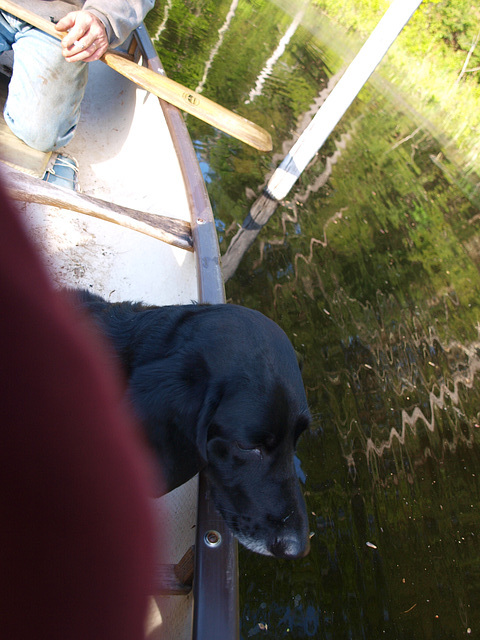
134 151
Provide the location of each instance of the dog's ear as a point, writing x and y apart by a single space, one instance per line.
179 391
211 402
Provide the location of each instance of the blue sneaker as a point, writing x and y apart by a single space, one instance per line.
63 173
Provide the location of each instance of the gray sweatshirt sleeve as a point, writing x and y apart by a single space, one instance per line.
119 16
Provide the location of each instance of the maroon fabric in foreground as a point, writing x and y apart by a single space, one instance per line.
76 531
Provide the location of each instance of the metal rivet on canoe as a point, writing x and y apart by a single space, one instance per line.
213 538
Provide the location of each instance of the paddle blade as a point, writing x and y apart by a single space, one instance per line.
191 102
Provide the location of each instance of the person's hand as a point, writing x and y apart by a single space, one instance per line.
86 39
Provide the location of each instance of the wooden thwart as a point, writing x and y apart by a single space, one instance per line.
25 188
175 579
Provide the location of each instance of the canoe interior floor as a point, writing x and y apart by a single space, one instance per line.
13 151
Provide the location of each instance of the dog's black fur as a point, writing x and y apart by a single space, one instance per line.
218 387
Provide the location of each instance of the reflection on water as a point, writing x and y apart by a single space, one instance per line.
372 268
276 55
225 26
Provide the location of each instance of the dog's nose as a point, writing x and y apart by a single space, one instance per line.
290 546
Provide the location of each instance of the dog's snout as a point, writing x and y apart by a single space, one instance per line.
290 546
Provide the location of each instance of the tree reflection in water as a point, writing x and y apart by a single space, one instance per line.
375 280
373 272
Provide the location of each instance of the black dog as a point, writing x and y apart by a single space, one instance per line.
218 387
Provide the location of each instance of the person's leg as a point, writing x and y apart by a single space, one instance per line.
45 92
7 34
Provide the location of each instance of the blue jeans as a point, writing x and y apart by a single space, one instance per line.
45 91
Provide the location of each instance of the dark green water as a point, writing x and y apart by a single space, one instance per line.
372 269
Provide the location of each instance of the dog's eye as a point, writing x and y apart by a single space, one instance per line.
255 450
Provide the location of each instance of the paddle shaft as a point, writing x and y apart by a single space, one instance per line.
345 91
163 87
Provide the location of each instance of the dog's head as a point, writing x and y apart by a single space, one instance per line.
256 410
227 395
252 475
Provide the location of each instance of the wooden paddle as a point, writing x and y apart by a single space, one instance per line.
24 188
163 87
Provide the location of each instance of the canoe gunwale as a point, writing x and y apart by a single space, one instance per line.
215 585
